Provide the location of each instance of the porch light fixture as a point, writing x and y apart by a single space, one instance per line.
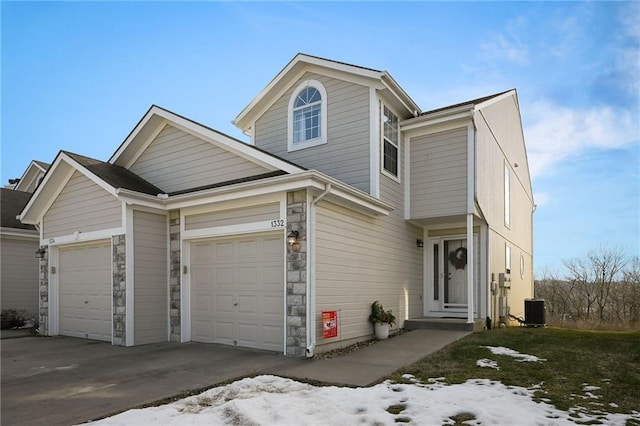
40 253
419 243
292 238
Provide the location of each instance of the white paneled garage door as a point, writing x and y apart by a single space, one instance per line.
84 280
237 291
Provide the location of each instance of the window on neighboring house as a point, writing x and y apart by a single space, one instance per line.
390 142
507 195
307 116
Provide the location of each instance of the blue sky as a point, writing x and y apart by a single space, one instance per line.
79 75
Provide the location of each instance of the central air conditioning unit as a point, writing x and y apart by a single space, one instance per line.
534 313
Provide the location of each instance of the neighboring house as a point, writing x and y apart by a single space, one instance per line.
18 264
31 177
346 193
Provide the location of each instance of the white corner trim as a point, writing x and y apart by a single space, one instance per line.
374 136
129 286
407 177
54 325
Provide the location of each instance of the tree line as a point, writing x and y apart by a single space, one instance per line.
598 291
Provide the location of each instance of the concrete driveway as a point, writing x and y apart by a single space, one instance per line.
63 380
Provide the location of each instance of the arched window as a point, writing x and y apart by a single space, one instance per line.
307 116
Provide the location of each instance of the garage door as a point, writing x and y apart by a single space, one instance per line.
84 280
237 291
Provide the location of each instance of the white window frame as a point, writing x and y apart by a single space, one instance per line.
322 139
383 139
507 195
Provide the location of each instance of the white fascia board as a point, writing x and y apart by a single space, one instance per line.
495 99
30 217
136 130
32 169
418 125
28 234
307 180
391 84
299 64
139 199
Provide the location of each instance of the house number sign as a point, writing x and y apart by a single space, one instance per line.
278 223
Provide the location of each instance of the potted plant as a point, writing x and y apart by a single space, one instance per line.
382 320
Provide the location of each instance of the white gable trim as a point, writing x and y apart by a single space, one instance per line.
57 171
496 99
33 169
298 61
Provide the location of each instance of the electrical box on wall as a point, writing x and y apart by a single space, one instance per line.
505 280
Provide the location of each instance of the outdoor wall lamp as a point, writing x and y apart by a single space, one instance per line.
40 253
419 243
292 238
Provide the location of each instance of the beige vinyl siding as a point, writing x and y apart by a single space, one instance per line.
439 174
233 216
360 259
19 274
82 206
345 156
150 277
500 142
177 160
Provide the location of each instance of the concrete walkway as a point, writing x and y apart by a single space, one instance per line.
63 380
369 365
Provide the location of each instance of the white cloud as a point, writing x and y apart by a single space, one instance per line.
505 47
555 133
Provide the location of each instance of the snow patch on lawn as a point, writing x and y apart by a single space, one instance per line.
499 350
271 400
487 363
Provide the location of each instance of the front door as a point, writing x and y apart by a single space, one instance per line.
453 283
446 276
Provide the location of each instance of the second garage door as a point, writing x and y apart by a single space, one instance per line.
84 281
237 291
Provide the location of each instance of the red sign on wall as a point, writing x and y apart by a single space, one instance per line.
329 324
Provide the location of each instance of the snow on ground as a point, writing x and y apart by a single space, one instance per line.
271 400
499 350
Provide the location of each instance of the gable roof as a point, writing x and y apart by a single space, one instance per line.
11 204
156 118
382 80
470 103
28 178
115 176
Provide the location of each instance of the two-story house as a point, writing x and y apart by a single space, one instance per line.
346 193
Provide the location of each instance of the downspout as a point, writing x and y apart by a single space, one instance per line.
311 282
471 196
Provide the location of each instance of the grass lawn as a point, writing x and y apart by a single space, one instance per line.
575 362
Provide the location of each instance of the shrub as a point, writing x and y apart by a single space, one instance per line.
14 318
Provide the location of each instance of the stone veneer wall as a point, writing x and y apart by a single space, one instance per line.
296 312
174 283
43 290
119 268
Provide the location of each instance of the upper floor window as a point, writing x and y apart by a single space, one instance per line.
307 116
390 142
